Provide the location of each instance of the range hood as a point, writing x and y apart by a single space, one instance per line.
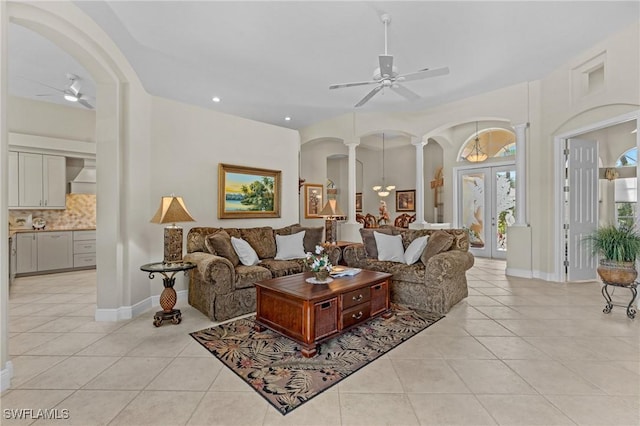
85 181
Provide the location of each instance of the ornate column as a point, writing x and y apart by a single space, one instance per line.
350 229
419 144
521 173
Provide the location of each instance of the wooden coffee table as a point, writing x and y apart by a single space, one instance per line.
312 313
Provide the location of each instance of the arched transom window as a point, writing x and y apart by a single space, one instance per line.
488 143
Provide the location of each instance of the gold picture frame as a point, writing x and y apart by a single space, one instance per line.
406 201
248 192
312 200
358 202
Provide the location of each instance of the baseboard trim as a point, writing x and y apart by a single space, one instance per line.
5 376
128 312
520 273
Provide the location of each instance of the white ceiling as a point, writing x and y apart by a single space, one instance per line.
268 59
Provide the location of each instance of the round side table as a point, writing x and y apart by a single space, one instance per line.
168 296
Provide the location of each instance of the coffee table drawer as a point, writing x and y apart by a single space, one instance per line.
326 318
356 297
356 314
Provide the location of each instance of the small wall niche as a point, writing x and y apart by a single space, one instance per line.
589 77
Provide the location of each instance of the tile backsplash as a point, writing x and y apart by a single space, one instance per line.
80 212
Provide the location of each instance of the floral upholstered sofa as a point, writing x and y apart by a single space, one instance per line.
435 282
221 286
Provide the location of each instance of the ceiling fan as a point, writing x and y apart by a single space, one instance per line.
387 75
72 92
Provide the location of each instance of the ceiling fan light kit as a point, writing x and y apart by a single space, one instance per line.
386 75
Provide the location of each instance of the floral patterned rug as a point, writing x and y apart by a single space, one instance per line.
273 366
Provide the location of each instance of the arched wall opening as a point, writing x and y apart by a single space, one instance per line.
53 21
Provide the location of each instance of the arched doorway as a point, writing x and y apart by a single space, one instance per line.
486 188
47 22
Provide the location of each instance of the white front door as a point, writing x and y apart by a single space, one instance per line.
486 207
581 207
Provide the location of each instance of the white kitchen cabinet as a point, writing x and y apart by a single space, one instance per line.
84 249
41 181
54 181
43 251
13 200
26 252
55 250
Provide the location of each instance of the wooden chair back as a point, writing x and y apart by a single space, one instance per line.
404 220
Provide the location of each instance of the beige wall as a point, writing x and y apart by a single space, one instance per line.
49 119
549 105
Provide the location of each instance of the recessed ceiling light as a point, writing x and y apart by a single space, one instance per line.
215 99
287 118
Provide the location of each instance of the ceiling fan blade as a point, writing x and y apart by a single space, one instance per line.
386 65
405 93
425 73
370 95
50 87
84 103
359 83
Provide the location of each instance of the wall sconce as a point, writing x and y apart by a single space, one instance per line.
172 210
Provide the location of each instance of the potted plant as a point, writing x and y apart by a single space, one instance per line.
618 247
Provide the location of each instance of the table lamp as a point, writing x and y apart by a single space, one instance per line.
172 210
330 211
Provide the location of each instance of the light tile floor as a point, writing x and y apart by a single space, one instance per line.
515 352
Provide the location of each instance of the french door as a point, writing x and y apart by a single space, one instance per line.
486 206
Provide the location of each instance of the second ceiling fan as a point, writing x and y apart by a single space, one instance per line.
386 75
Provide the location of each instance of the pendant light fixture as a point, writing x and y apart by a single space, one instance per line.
476 155
382 189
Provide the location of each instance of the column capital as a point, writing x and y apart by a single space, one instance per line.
352 142
520 126
419 142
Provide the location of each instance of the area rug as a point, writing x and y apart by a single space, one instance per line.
273 366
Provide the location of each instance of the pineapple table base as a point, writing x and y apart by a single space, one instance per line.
168 297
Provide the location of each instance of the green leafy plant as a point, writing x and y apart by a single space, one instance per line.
619 244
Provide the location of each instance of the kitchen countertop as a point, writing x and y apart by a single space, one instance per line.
13 231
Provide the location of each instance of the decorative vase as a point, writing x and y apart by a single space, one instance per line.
621 273
321 275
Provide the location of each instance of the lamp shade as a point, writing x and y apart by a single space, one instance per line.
172 210
331 208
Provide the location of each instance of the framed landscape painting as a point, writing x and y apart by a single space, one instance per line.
248 192
312 200
406 201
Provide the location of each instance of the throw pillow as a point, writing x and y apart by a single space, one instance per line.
369 241
245 252
262 241
389 247
290 246
312 236
220 245
415 249
439 241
